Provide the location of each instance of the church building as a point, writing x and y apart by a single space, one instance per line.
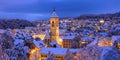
54 26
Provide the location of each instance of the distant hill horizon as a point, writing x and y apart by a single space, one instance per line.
82 16
99 16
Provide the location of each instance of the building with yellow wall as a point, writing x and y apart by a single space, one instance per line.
105 41
41 36
64 41
35 54
58 53
67 41
54 27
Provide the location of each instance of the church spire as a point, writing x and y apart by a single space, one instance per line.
54 10
54 15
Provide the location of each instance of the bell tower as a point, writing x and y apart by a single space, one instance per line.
54 26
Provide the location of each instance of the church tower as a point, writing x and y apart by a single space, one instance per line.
54 27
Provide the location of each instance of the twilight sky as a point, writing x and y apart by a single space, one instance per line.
42 9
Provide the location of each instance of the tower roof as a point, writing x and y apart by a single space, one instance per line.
54 15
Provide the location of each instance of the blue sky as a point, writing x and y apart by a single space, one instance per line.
41 9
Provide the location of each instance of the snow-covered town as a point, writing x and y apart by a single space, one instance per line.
59 30
62 40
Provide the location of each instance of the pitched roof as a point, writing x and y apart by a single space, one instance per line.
54 15
61 51
67 37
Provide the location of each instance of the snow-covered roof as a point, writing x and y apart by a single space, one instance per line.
39 44
114 38
47 36
103 33
62 31
117 28
111 53
60 51
28 28
54 42
87 39
2 31
54 15
94 42
68 33
67 37
18 41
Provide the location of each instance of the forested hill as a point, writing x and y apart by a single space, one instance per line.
15 24
100 16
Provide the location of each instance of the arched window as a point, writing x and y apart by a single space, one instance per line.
52 23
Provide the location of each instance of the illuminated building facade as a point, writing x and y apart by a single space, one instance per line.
35 54
41 36
58 53
105 42
54 27
67 41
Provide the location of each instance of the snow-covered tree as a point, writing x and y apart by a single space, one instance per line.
117 43
76 42
50 56
4 57
110 53
5 45
18 52
6 40
25 38
89 53
15 47
69 55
